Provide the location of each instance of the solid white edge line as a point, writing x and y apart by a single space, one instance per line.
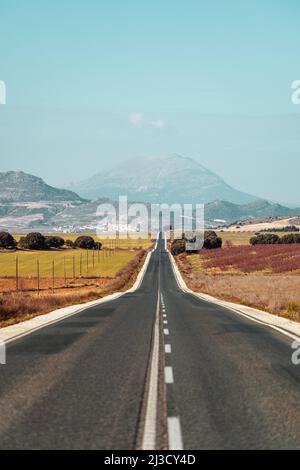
169 377
182 285
11 333
174 434
149 434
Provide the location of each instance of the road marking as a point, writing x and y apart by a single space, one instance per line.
167 348
164 315
166 331
174 432
149 436
169 379
165 322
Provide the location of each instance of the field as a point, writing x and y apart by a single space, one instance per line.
235 238
67 263
265 276
239 238
35 282
20 305
247 259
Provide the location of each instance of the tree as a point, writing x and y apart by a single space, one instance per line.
54 242
177 247
7 240
69 243
290 238
86 242
265 239
211 240
33 241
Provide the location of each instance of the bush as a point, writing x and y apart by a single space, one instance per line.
177 247
7 240
211 240
86 242
265 239
33 241
69 243
290 238
54 242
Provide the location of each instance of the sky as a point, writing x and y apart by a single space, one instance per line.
91 83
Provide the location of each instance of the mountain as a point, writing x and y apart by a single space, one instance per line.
260 209
17 186
167 179
27 201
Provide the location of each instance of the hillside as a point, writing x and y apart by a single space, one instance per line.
170 179
229 212
26 201
17 186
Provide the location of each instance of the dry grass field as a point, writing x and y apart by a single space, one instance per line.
265 277
19 306
35 282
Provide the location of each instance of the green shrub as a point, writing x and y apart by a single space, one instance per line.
211 240
177 247
87 242
33 241
54 242
265 239
7 240
290 238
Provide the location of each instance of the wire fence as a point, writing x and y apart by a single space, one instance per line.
52 270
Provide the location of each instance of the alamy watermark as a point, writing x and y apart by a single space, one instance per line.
176 220
2 353
295 97
296 353
2 92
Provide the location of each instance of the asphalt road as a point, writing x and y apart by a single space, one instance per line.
80 383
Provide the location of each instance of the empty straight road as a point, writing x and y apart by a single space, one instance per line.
81 383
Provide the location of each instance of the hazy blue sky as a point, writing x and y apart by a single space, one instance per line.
92 82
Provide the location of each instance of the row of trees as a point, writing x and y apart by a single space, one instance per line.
287 228
211 241
37 241
273 239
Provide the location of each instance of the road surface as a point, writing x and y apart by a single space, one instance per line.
83 383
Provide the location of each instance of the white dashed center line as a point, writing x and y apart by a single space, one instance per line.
167 348
174 432
169 379
166 331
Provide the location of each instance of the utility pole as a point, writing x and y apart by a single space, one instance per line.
53 275
17 273
38 275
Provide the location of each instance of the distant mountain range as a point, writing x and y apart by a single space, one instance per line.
217 212
27 202
170 179
17 186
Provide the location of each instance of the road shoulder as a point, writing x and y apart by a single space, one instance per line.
283 325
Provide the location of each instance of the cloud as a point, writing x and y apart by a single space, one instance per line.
136 119
158 124
154 126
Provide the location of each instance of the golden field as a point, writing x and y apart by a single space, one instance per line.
82 263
